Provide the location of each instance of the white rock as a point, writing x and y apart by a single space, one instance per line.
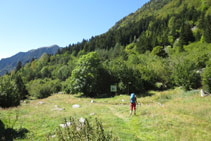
40 102
53 136
92 114
60 92
65 125
123 100
59 109
78 128
82 120
76 106
160 104
203 94
92 101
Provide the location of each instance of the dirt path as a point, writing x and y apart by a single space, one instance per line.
116 113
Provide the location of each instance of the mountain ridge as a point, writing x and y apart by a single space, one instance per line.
8 64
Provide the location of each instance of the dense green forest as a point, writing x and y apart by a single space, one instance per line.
164 44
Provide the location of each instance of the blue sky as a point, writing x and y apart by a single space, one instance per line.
30 24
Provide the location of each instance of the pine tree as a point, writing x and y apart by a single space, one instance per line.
207 29
186 34
19 66
21 89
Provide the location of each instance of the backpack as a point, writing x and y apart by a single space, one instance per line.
132 98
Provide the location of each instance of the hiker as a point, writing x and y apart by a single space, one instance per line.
133 102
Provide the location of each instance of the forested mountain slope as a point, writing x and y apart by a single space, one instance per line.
164 44
8 64
158 22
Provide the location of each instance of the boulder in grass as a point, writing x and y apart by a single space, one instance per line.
61 93
82 120
76 106
67 124
92 114
57 108
203 93
40 102
92 101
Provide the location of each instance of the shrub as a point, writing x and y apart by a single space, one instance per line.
159 51
121 74
185 75
79 131
89 77
153 69
206 77
41 88
9 95
63 73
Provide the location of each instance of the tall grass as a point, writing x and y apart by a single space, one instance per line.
165 115
81 131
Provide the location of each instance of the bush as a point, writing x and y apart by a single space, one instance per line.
185 75
9 95
153 69
159 51
89 77
63 73
206 77
121 73
41 88
79 131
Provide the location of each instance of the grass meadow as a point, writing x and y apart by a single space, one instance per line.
168 115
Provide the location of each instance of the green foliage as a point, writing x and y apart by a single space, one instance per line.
63 73
41 88
184 74
198 53
186 34
207 29
159 51
153 69
87 77
121 73
9 95
44 59
78 131
45 72
19 66
206 77
21 88
131 48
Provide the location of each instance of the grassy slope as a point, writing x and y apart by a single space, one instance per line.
168 115
170 8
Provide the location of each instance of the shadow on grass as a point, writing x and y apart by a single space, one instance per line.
10 134
111 95
145 94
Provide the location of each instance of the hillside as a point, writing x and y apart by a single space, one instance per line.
163 45
161 9
161 52
8 64
167 115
